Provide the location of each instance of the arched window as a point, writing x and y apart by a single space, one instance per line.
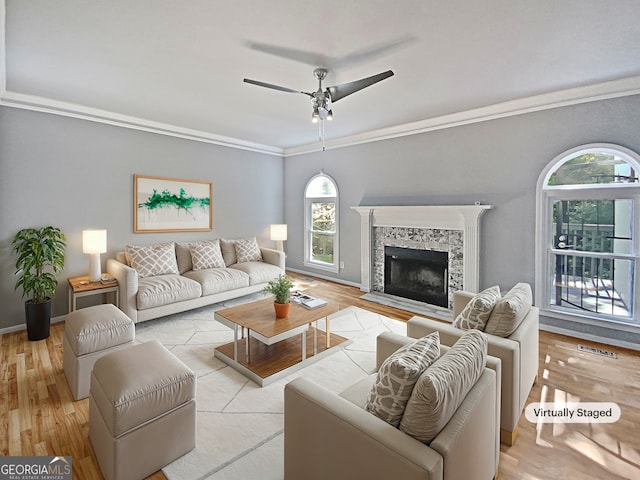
587 240
321 223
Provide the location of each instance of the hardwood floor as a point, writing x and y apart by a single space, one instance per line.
39 417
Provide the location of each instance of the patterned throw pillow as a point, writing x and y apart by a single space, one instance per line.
206 254
476 313
397 376
442 387
510 311
153 260
247 250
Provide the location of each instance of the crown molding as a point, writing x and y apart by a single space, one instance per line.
47 105
562 98
546 101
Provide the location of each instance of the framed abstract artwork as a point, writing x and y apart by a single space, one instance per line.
171 205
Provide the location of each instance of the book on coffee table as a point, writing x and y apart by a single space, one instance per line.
307 301
313 303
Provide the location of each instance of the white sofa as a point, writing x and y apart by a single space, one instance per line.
146 298
329 435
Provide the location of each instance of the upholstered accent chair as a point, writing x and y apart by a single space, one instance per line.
518 352
330 435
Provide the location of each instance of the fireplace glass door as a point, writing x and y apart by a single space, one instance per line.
420 275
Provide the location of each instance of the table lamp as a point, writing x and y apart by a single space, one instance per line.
94 242
279 233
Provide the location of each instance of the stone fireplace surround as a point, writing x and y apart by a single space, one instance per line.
447 228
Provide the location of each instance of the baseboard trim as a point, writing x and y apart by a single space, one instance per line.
593 338
23 326
324 277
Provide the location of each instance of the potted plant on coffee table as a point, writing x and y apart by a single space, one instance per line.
281 289
41 254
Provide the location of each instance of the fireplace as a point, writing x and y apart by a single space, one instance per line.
420 275
450 229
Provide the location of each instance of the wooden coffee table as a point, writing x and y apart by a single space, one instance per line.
273 348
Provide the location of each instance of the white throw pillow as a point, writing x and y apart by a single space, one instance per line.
247 250
228 248
206 254
153 260
476 313
510 311
443 386
397 376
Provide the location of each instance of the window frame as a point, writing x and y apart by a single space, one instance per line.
308 233
546 196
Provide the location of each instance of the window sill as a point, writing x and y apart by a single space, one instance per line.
320 266
629 325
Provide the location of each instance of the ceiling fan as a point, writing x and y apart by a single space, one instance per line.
322 100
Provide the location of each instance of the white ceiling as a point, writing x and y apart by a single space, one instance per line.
182 63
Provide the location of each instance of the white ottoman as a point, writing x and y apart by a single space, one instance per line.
142 411
90 333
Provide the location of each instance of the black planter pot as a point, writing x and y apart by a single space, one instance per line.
38 319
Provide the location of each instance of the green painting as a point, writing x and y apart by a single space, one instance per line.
170 205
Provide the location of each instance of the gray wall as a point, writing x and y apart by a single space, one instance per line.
77 175
496 162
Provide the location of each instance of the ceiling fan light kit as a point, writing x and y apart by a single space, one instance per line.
321 100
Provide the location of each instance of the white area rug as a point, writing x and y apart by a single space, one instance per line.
239 424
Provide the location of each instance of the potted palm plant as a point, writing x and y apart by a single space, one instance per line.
40 258
281 289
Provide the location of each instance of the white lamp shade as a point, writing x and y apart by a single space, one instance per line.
94 241
279 231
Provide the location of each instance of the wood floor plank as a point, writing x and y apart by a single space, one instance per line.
38 415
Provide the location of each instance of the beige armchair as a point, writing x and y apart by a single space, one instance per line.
329 435
518 353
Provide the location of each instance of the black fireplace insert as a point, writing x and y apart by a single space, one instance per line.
420 275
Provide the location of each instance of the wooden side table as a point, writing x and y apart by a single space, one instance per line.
82 287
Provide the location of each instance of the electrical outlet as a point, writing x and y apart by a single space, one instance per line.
341 264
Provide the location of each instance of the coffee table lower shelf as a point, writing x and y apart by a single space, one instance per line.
269 363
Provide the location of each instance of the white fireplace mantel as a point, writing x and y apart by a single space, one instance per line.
446 217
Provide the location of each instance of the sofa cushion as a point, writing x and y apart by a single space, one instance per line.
359 391
259 272
215 280
206 254
228 248
150 260
247 250
510 311
442 387
122 258
476 313
397 376
165 289
183 257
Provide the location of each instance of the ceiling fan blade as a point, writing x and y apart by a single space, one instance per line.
340 91
274 87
